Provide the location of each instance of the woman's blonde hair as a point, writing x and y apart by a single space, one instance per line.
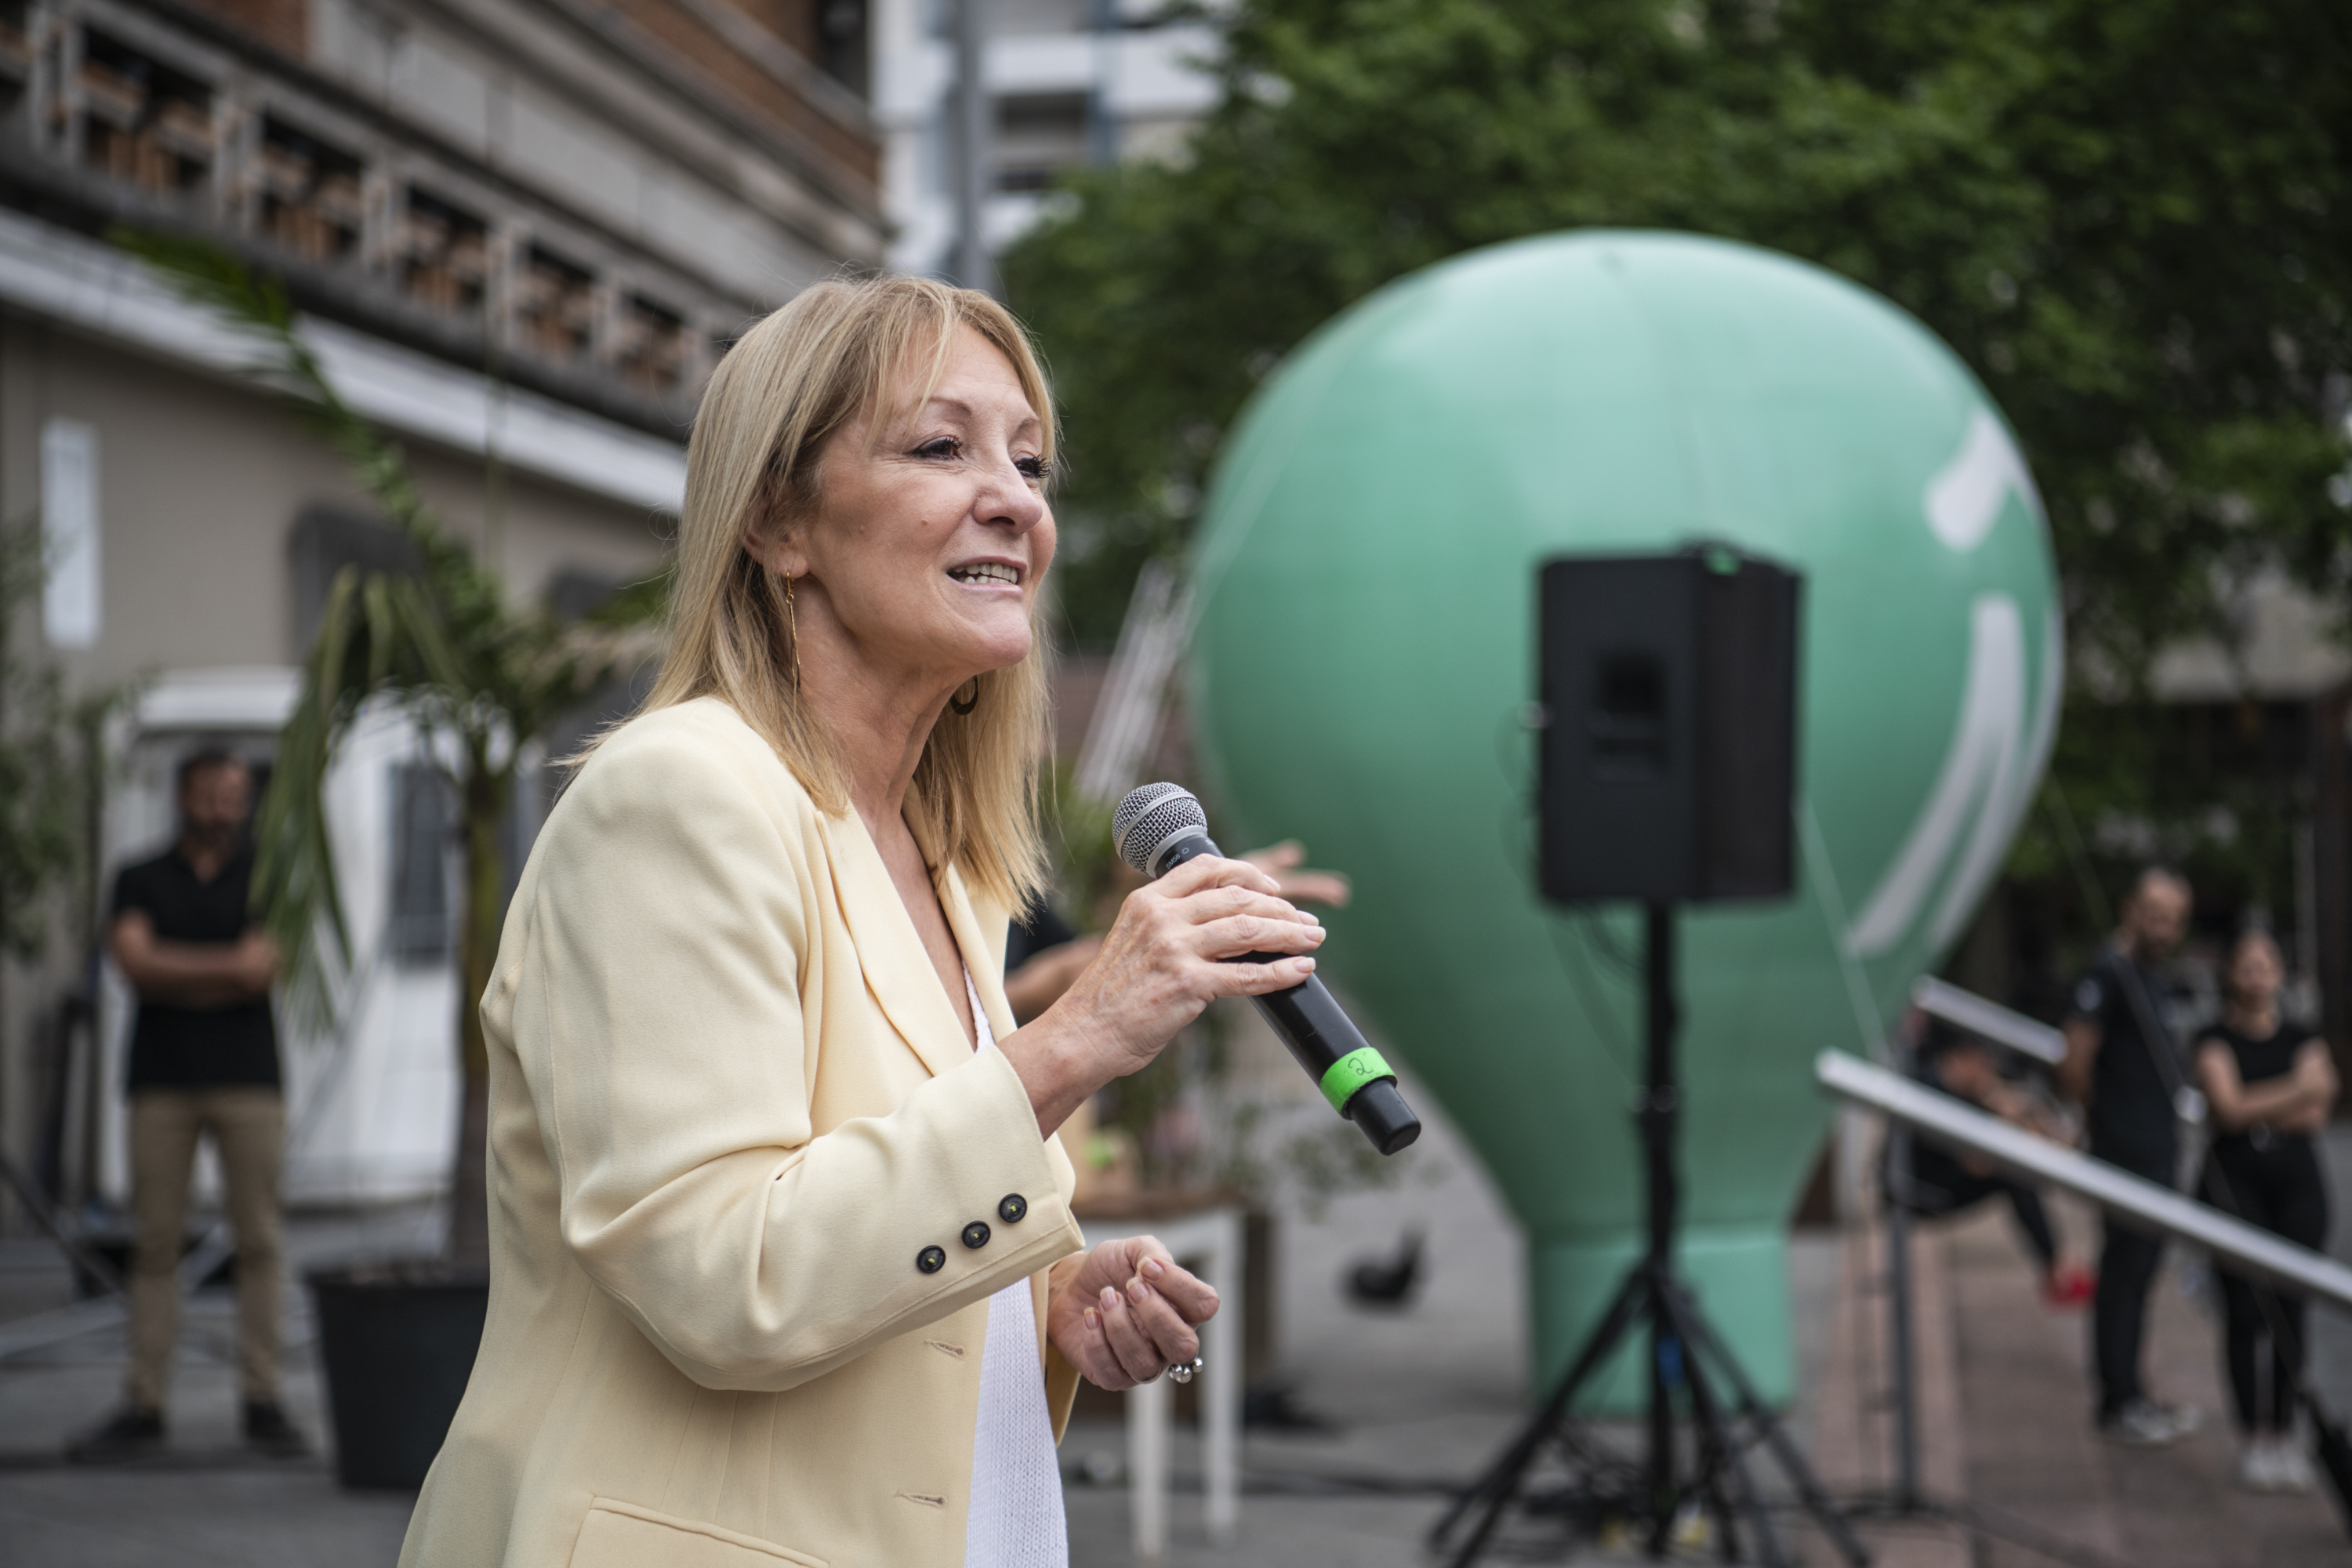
837 353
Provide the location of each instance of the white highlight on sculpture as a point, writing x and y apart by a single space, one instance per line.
1965 499
1989 767
1992 760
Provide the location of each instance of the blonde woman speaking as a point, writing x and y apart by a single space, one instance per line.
783 1268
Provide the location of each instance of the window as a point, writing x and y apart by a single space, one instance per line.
424 819
447 252
143 122
310 200
325 540
650 344
555 305
1037 136
71 604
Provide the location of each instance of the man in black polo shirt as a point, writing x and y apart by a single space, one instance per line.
204 1059
2124 1066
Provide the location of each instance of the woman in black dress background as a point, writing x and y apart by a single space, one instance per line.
2271 1084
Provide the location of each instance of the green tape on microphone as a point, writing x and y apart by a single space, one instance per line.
1351 1072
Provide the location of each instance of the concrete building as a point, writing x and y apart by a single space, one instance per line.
1069 82
520 232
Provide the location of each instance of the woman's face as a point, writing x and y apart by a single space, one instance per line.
2254 972
931 531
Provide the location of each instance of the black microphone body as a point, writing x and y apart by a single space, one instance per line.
1321 1038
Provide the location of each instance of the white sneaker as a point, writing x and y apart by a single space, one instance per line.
2290 1467
2143 1423
2258 1468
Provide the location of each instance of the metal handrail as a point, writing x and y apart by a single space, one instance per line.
1990 1020
1940 1116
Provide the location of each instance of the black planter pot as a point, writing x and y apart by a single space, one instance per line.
397 1341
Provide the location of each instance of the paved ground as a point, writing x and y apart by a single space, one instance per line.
1418 1399
2030 1454
208 1502
2004 1423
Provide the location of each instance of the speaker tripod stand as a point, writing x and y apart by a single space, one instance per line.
1686 1356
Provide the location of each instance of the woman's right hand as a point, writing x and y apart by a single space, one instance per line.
1159 965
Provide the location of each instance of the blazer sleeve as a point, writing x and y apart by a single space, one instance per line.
657 1012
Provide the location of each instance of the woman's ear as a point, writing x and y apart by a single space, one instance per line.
775 545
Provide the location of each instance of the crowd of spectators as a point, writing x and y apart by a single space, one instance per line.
2225 1103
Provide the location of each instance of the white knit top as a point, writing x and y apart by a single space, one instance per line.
1015 1519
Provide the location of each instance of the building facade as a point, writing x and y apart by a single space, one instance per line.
1068 81
520 233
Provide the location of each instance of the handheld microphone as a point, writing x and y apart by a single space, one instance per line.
1160 826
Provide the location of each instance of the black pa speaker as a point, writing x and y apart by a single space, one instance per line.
1669 738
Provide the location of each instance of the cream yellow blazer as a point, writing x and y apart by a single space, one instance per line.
730 1110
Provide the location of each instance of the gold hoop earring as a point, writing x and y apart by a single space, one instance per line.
793 631
963 705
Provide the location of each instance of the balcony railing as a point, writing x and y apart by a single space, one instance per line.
144 116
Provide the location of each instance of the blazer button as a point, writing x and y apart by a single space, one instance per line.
1013 1209
931 1259
975 1235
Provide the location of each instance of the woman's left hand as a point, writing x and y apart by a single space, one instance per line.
1127 1313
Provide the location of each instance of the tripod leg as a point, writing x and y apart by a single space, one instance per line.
1724 1459
1496 1488
1664 1343
1784 1449
1717 1457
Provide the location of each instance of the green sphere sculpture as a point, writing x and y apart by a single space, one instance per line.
1364 651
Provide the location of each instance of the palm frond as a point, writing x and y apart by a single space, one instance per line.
442 641
295 883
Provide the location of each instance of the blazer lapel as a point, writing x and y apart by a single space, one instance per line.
983 956
898 969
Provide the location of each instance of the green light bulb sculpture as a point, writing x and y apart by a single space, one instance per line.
1365 649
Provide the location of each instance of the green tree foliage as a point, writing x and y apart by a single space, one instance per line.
53 772
2133 218
52 764
473 669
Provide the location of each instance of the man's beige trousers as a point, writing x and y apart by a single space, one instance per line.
248 1129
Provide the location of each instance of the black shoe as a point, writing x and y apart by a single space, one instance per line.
267 1431
131 1434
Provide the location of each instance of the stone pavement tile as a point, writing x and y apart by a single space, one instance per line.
2034 1457
2331 1330
247 1517
45 1402
2183 1504
1357 1531
2026 1401
1853 1446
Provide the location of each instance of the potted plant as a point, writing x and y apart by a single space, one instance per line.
481 677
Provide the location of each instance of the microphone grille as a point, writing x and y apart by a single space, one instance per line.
1150 817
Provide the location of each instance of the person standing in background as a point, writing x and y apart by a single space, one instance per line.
1938 1182
2124 1072
2271 1084
204 1059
